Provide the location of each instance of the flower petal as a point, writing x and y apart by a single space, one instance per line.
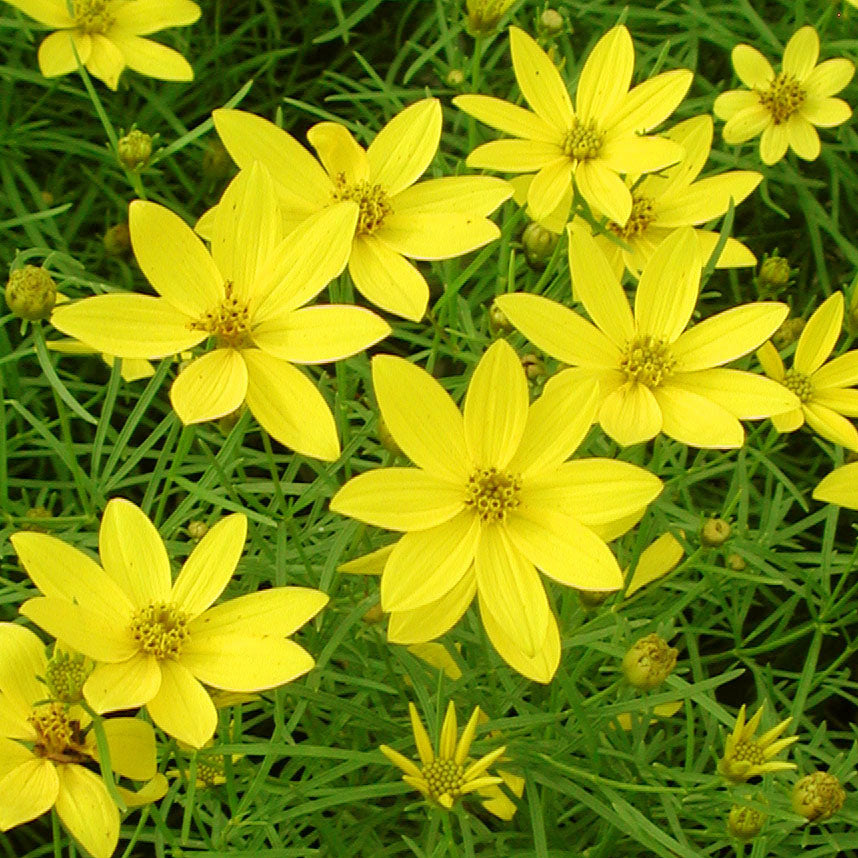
605 76
829 77
831 425
148 16
549 187
631 414
472 195
289 407
51 13
840 372
729 103
825 112
22 660
820 335
514 156
707 199
629 153
604 190
842 401
744 394
773 143
106 61
539 81
694 420
132 748
210 386
770 361
210 565
651 102
28 791
747 123
432 620
507 117
57 52
182 707
151 58
839 487
399 499
789 421
495 407
655 561
751 67
803 138
13 754
431 235
124 685
339 152
801 53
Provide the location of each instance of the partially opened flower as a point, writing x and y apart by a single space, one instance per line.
784 108
655 376
746 757
492 499
445 775
826 390
157 641
248 296
840 487
106 36
47 751
592 143
399 220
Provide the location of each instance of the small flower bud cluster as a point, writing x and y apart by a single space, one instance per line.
649 662
31 293
134 149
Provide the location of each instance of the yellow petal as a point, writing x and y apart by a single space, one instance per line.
151 58
628 153
29 790
106 61
844 402
183 708
820 335
695 137
12 755
604 190
693 419
539 81
289 407
803 138
831 425
464 744
773 143
514 156
339 152
789 421
422 417
746 123
734 254
150 792
400 761
399 499
655 561
154 15
825 112
829 77
744 394
405 147
771 361
839 487
707 199
606 75
728 335
472 195
372 563
51 13
387 280
128 326
434 619
449 732
87 811
433 235
496 407
133 553
840 372
555 221
631 414
209 568
751 67
729 103
421 737
651 102
23 659
801 53
210 386
57 52
132 748
125 685
427 564
549 188
507 117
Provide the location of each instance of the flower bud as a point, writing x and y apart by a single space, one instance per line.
551 22
455 77
788 332
31 293
649 662
533 365
134 149
498 321
386 439
592 599
736 562
715 532
217 163
47 197
774 275
744 822
538 243
818 796
65 674
374 615
197 529
484 15
117 239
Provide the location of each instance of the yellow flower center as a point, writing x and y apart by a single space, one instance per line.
210 772
58 737
229 321
93 16
639 220
799 383
783 97
583 141
372 200
492 493
65 675
748 751
444 777
160 629
647 360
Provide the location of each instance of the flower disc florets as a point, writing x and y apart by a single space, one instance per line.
492 493
229 321
647 360
583 140
444 777
643 213
58 737
818 796
372 200
799 383
93 16
783 97
65 675
160 629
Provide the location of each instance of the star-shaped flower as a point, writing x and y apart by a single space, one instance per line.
746 757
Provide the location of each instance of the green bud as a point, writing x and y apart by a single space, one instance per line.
789 331
551 22
774 274
533 365
715 532
592 599
649 662
744 822
538 243
31 293
498 321
818 796
736 562
217 163
65 674
197 529
484 15
134 149
455 77
117 239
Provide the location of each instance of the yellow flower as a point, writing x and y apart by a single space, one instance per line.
824 389
784 107
654 376
248 296
746 757
445 776
592 143
107 36
156 641
840 487
492 500
484 15
45 747
398 220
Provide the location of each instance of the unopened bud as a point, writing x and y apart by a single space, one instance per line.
374 615
592 599
551 22
498 321
197 529
217 163
788 332
31 293
227 423
736 562
117 239
386 439
649 662
134 149
774 274
533 365
37 513
484 15
538 243
455 77
65 674
744 822
47 197
818 796
715 532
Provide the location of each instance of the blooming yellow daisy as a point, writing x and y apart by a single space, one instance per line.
784 107
247 295
592 143
46 745
840 487
746 757
106 36
445 776
492 500
399 220
156 640
824 389
654 376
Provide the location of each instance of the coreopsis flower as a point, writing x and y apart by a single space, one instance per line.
248 297
840 487
825 390
784 108
654 376
445 776
157 641
399 218
592 143
107 36
46 746
492 499
746 757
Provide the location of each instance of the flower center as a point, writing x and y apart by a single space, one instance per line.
492 493
58 737
444 777
210 772
799 383
372 200
783 97
93 16
583 140
65 675
160 629
639 220
749 752
229 321
647 360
